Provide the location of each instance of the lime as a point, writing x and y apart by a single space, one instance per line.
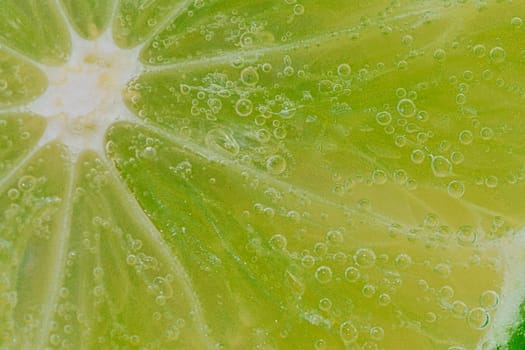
266 174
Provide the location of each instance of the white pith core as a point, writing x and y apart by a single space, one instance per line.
84 96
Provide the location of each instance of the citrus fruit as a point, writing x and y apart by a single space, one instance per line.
265 174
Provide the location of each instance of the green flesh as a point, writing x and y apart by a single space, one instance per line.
317 175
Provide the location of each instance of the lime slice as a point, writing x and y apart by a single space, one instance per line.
272 174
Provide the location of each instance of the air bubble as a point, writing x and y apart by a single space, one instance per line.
365 257
148 153
478 318
479 50
325 304
400 176
422 116
334 237
266 67
417 156
466 235
278 242
320 249
184 89
276 164
383 118
263 135
489 299
26 183
368 290
344 70
288 71
320 344
384 299
249 76
466 137
131 260
377 333
348 332
403 261
441 166
439 55
491 181
468 75
400 140
323 274
243 107
458 309
497 54
401 92
406 108
308 261
456 189
13 194
486 133
352 274
407 40
461 99
298 9
516 22
445 294
443 270
379 176
457 157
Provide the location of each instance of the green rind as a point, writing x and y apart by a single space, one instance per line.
516 334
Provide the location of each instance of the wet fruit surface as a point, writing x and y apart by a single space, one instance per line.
272 174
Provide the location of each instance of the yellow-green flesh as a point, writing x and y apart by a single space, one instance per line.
298 174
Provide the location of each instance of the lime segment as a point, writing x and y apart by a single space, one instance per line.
89 18
326 264
135 21
117 267
209 28
20 81
33 206
358 120
18 135
36 29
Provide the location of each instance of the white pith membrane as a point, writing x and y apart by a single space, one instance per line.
84 96
507 316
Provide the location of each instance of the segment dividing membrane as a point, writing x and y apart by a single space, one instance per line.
84 96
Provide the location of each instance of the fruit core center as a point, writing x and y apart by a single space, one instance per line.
84 96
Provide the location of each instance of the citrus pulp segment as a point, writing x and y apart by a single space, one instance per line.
33 230
301 251
19 133
89 18
264 174
35 28
118 269
20 81
135 21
